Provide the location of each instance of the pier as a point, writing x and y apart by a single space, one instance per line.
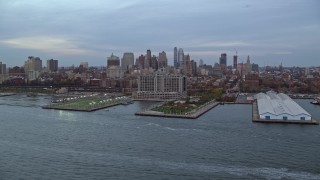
194 114
88 104
7 94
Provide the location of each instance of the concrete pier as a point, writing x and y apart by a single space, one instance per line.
190 115
7 94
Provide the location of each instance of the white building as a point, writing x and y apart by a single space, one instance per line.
273 106
115 72
33 67
161 86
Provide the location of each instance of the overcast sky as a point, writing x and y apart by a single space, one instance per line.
74 31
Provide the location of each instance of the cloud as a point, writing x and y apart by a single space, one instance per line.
46 44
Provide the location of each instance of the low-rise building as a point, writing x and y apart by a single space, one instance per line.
273 106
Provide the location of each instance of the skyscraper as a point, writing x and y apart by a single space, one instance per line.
3 72
3 68
147 63
180 57
113 61
127 60
163 60
223 60
201 62
235 61
33 64
32 67
140 61
154 62
187 65
194 67
175 57
52 65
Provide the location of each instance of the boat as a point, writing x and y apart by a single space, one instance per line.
316 101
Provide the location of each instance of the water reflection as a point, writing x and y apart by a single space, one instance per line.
66 115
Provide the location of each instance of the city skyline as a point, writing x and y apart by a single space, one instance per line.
271 32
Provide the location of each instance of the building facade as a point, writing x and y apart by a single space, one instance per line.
223 60
180 58
140 61
127 60
175 57
273 106
235 61
163 60
3 72
161 86
33 67
113 61
52 65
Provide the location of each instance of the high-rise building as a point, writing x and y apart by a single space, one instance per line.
201 62
33 64
140 61
3 72
187 65
154 62
52 65
127 60
32 67
180 57
3 68
113 61
235 61
223 59
194 67
163 60
175 57
248 65
147 62
84 65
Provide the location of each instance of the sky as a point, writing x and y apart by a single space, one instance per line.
271 32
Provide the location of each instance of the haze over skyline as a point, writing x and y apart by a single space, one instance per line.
72 31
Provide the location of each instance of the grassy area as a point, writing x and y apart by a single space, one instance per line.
88 103
180 107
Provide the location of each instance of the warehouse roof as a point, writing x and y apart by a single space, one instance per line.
277 104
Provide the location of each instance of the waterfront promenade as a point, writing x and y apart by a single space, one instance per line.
194 114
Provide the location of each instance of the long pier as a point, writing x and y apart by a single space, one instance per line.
7 94
79 109
256 118
189 115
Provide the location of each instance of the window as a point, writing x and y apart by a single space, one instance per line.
268 117
285 118
302 118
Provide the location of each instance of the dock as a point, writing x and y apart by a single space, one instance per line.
194 114
7 94
256 118
79 109
88 104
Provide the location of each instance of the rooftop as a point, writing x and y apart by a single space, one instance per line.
278 104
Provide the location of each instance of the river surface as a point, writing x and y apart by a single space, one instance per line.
42 144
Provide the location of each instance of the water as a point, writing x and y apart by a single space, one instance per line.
222 144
